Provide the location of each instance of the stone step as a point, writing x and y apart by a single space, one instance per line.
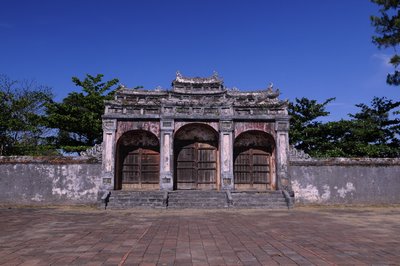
269 200
197 199
136 196
117 193
136 199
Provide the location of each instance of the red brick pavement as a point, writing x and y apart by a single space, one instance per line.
303 236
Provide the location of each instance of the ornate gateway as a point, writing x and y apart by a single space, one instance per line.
197 135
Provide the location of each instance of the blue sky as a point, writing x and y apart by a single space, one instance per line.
311 48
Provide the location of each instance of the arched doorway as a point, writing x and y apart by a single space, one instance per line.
254 161
196 157
137 161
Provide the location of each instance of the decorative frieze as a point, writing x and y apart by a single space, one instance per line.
282 126
109 125
194 97
226 125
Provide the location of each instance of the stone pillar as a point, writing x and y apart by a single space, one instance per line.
108 157
282 154
226 154
166 155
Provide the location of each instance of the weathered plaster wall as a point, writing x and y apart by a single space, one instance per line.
241 127
346 181
25 180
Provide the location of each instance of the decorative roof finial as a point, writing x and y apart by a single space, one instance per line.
215 74
270 87
178 74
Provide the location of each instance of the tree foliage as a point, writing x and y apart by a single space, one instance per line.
304 124
28 113
22 117
78 116
387 28
371 132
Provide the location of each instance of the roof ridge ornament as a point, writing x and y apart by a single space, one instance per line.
215 75
211 84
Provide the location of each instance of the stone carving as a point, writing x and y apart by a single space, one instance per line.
190 94
139 139
282 126
226 126
251 139
94 152
185 81
215 75
296 154
109 125
190 132
125 126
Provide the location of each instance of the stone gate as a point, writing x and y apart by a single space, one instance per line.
197 135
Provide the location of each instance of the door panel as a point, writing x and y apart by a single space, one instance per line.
141 166
186 165
196 166
252 167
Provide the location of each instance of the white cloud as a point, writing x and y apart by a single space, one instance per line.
384 60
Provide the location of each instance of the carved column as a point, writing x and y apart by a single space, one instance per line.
166 155
226 154
108 157
282 153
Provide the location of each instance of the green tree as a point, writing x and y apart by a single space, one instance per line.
305 128
387 28
334 141
22 117
371 132
78 116
378 128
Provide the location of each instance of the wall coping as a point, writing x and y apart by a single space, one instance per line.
294 162
346 162
48 160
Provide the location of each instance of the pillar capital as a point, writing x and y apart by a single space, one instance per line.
109 125
282 125
167 124
226 125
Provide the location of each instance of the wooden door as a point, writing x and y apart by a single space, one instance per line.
141 166
196 166
252 168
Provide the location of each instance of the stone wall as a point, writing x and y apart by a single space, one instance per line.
28 180
346 181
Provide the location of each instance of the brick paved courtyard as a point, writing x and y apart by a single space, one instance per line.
303 236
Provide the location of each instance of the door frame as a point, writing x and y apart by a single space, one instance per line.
141 183
130 141
196 146
252 183
192 133
258 140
